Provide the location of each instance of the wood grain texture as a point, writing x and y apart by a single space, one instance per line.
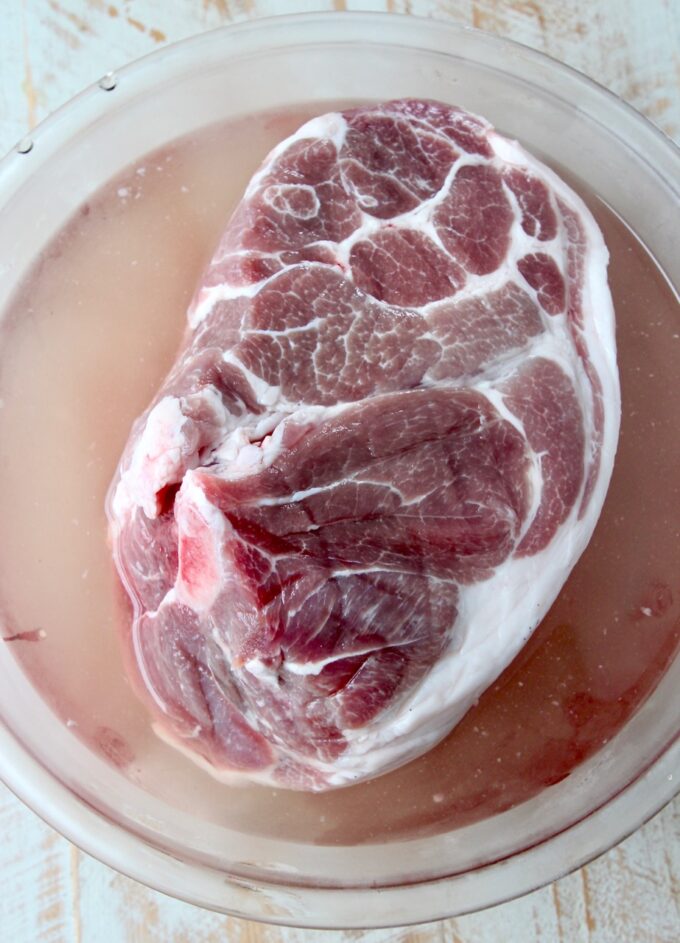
53 893
56 894
49 49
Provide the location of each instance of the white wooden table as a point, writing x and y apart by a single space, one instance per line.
50 892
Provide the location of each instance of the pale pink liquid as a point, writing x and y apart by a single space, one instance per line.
83 348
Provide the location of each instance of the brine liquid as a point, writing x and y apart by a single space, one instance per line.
84 347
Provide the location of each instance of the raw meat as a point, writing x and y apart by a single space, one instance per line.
384 444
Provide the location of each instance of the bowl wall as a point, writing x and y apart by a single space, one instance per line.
273 64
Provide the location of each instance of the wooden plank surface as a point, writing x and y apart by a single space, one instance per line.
53 893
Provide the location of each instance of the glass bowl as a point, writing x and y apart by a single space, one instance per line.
100 805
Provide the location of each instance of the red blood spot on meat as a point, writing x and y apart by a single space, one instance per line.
199 568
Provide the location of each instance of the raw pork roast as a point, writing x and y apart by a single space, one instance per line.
384 444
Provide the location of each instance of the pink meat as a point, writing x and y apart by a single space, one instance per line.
391 396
